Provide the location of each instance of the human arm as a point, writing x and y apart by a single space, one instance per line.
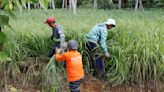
59 57
103 38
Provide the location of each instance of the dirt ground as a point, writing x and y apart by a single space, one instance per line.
89 85
94 85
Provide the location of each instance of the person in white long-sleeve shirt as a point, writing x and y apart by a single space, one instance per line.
98 36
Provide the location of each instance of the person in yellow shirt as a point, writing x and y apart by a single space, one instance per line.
74 65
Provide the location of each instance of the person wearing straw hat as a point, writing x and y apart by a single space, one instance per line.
98 36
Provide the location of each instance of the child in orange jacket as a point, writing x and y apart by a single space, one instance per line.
74 65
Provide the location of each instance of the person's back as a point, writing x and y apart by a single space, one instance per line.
74 66
58 33
95 34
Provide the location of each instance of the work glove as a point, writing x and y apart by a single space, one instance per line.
107 55
53 39
56 40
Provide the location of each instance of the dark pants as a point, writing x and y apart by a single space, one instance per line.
52 52
98 64
53 48
74 86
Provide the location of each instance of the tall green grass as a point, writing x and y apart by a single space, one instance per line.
136 44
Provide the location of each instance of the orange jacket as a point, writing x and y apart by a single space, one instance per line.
74 66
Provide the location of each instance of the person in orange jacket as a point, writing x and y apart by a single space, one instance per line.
74 65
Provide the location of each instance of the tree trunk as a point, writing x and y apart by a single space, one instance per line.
63 3
110 1
50 4
1 46
5 78
74 6
140 5
24 5
95 4
53 4
119 4
70 4
0 14
66 3
38 5
136 5
35 5
28 4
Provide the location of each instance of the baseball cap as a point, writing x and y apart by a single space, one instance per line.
50 20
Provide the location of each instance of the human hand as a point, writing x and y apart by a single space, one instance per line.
57 51
107 55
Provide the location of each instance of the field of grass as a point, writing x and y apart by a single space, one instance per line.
136 44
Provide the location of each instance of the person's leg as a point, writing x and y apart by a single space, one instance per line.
54 46
99 64
51 53
89 54
100 69
74 86
91 46
53 50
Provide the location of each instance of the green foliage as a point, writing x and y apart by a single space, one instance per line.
2 37
44 3
136 44
4 57
4 20
162 1
34 1
3 2
18 4
102 4
53 74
